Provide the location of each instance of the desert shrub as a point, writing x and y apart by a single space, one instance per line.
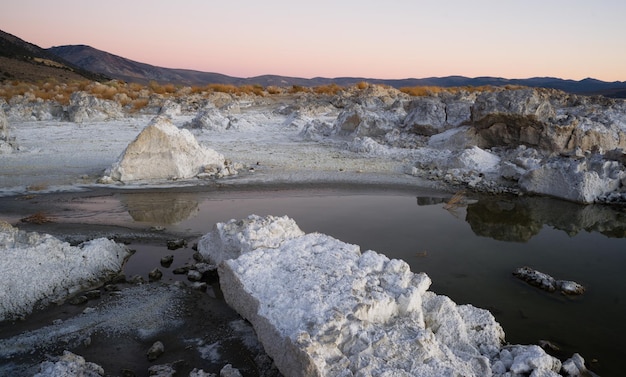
274 90
362 85
298 89
251 89
222 88
328 89
139 103
37 218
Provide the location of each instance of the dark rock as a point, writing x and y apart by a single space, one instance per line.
155 351
167 260
155 275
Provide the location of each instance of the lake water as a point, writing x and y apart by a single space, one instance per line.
469 251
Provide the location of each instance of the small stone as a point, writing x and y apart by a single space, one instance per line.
91 295
155 350
194 275
181 270
128 373
569 287
176 244
78 300
155 275
200 286
167 260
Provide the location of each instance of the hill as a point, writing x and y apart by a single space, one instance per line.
121 68
23 61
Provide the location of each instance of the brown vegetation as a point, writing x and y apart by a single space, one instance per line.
421 91
37 218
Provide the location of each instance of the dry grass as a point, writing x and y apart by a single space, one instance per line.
331 89
37 187
421 91
37 218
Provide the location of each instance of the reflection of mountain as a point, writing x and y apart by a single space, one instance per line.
520 219
162 207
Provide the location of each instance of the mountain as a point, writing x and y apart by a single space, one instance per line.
121 68
131 71
23 61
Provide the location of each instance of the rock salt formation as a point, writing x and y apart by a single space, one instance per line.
6 146
27 107
69 364
163 152
38 269
85 107
322 307
209 118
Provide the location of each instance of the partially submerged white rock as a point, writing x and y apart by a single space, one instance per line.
547 282
38 269
164 152
69 364
320 307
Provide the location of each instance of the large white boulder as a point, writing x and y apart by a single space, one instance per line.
582 181
321 307
85 107
5 144
38 269
162 151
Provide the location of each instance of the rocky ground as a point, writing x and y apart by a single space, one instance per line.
518 140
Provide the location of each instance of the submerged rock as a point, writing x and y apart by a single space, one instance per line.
39 269
322 307
162 151
547 282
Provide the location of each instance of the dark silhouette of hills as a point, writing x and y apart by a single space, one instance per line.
128 70
23 61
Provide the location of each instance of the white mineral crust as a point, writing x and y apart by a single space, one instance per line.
320 307
40 269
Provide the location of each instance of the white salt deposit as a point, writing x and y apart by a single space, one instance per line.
163 151
38 269
321 307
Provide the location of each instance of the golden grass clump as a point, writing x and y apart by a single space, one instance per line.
37 218
362 85
328 89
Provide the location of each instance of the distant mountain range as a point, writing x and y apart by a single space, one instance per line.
67 62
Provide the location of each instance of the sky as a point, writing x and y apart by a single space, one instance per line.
390 39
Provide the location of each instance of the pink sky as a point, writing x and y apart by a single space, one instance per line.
375 39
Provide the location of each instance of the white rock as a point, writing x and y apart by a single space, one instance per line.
85 107
38 269
230 240
69 364
581 181
321 307
162 151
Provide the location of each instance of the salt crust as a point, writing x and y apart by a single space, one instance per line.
38 269
321 307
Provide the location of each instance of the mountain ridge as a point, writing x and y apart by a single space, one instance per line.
125 69
21 60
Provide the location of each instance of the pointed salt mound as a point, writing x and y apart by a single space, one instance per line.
162 151
38 269
320 307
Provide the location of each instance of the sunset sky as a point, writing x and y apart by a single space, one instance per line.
374 39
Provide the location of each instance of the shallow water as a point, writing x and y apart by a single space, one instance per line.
468 251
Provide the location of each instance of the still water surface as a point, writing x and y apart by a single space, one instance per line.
469 252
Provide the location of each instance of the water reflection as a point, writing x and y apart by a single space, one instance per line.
161 208
519 219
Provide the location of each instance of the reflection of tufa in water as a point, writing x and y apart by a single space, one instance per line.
518 219
161 207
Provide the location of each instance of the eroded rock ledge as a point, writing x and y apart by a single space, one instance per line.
321 307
